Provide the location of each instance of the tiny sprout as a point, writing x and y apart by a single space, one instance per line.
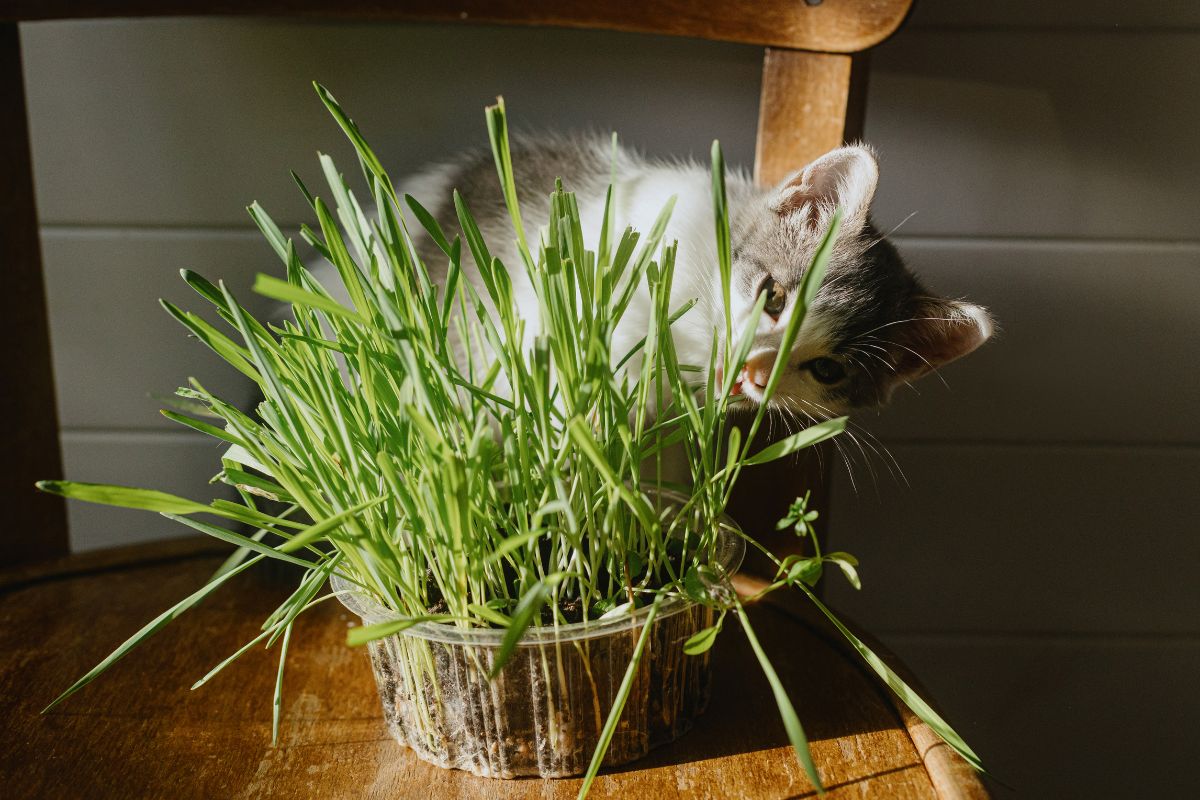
799 517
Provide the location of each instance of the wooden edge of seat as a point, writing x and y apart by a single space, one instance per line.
833 26
111 559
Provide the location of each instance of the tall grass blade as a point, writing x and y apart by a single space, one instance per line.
799 440
123 496
618 707
791 721
151 628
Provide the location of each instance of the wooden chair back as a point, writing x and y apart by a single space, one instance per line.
813 91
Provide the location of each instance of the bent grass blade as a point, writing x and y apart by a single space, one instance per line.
151 628
902 689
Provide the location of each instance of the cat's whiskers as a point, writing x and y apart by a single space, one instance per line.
852 353
850 356
887 456
826 414
863 342
861 436
883 354
823 415
933 370
903 321
896 227
881 450
801 419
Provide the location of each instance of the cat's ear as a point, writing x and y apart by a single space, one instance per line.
844 177
942 330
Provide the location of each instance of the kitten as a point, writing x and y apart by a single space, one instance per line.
872 326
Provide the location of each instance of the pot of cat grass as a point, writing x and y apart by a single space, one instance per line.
544 712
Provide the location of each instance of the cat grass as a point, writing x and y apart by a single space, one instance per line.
460 465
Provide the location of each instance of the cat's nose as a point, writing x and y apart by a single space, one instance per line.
758 368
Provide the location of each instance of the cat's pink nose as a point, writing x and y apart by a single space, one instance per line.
758 369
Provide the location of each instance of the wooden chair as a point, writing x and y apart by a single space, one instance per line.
813 93
65 614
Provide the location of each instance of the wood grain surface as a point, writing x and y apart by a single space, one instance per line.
139 732
843 26
810 103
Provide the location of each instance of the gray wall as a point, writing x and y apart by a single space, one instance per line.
1035 561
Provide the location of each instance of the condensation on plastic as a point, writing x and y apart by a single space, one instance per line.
543 713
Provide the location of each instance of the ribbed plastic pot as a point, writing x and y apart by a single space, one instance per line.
543 713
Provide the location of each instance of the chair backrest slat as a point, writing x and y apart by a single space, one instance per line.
831 26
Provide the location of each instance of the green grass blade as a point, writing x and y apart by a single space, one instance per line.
239 555
239 540
124 497
270 230
255 484
277 700
203 287
283 291
361 634
323 527
721 221
902 689
618 707
198 425
583 437
250 516
799 440
241 651
527 610
370 161
236 356
498 132
151 628
490 614
791 721
428 222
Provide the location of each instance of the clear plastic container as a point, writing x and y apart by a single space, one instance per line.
543 713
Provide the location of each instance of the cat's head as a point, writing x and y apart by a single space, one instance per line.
871 327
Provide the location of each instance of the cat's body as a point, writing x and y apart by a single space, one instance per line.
871 327
641 189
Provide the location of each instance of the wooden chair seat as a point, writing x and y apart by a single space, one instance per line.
139 732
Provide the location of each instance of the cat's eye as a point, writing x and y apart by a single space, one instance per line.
776 297
826 370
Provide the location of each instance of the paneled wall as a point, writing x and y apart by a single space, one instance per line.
1031 551
1037 564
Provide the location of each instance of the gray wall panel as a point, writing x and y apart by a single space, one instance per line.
1097 343
116 351
1037 134
1069 717
181 464
193 119
1024 538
